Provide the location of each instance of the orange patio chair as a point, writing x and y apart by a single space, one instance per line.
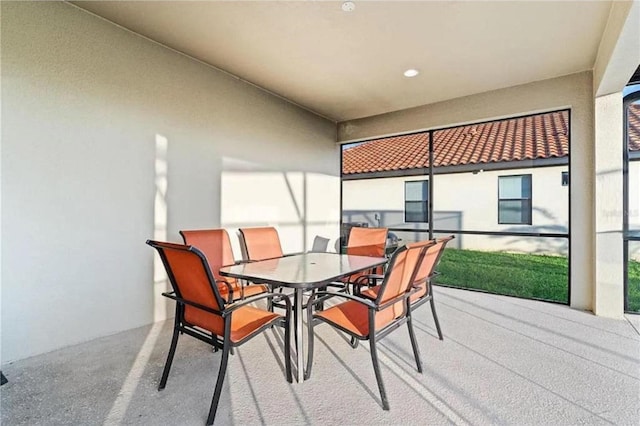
216 246
366 242
366 319
422 281
260 243
203 313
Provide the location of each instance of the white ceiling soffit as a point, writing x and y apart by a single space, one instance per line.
347 65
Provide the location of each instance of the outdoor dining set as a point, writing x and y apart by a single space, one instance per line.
360 292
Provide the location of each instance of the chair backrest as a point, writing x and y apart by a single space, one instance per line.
367 241
402 269
214 244
190 275
400 275
261 243
429 262
320 244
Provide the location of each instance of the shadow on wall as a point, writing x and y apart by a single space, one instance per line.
161 307
537 245
453 220
301 205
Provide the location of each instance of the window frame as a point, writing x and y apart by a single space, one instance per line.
425 202
530 222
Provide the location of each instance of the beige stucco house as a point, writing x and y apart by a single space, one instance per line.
502 176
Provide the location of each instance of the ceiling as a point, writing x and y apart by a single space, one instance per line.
347 65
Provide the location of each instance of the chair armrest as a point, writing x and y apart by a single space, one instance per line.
229 289
368 277
365 302
171 295
372 298
294 254
399 298
230 308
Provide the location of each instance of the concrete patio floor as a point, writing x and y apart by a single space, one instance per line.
503 361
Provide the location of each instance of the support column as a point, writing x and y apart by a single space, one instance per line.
608 291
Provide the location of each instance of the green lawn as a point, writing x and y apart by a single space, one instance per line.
524 275
634 286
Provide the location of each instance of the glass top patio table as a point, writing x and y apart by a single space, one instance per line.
305 271
302 272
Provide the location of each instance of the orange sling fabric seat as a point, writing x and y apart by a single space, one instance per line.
216 246
245 321
367 319
202 312
261 243
352 316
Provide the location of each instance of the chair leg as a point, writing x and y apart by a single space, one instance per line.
320 306
376 369
214 337
295 325
356 289
287 348
269 301
172 351
414 344
310 339
435 317
220 381
354 342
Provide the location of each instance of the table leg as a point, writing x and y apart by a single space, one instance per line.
297 333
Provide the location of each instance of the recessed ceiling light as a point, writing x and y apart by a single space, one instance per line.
411 73
348 6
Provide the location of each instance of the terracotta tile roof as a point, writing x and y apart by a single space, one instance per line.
634 127
525 138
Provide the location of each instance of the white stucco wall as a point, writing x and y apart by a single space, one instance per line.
619 50
467 201
96 123
249 195
608 295
617 58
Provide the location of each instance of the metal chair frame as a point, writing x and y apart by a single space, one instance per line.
373 306
231 297
246 254
181 326
428 296
356 284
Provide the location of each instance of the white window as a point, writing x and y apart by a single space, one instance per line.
416 201
514 200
